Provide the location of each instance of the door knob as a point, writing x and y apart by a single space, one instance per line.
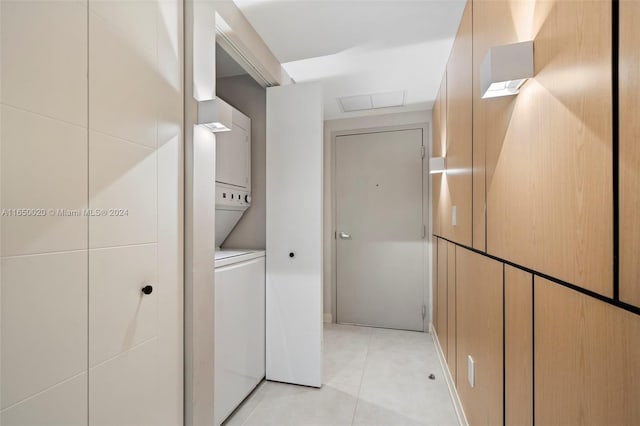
344 236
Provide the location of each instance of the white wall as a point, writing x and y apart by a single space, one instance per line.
250 98
344 126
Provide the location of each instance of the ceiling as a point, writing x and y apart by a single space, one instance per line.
360 47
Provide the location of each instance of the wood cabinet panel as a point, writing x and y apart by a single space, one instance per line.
451 310
434 283
629 80
442 323
439 196
548 149
459 107
478 161
479 303
586 359
518 346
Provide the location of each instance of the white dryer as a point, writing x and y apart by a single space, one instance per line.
239 327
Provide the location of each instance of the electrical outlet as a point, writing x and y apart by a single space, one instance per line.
454 215
471 371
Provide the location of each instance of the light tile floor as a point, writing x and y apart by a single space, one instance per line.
372 377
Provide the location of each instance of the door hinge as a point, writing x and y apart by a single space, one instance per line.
424 231
424 311
335 235
423 151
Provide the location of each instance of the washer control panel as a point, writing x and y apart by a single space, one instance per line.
230 196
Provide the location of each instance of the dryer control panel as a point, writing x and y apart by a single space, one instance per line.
232 198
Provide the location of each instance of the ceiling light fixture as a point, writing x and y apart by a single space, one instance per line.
436 165
505 68
215 115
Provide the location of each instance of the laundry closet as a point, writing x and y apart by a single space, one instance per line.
254 234
239 237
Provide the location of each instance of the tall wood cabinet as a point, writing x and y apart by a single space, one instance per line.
629 158
546 291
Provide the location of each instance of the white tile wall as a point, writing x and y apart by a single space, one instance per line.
63 405
44 58
125 391
122 175
43 166
120 315
132 105
44 322
123 70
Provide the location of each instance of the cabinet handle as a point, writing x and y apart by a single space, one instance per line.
292 254
147 289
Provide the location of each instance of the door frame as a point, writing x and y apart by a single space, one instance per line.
206 23
426 212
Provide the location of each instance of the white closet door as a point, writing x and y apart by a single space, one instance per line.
294 235
135 132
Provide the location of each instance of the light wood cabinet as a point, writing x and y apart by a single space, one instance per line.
548 149
458 177
434 283
451 309
442 294
479 307
438 149
629 91
518 346
586 359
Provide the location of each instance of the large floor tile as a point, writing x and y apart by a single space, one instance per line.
407 392
284 404
368 414
372 377
344 354
244 411
413 351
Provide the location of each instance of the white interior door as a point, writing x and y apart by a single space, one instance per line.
294 234
380 252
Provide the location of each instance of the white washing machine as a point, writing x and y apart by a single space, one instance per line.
239 327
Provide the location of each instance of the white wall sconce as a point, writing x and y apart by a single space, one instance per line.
215 115
505 68
436 165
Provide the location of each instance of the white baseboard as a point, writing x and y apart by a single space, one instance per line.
327 318
462 419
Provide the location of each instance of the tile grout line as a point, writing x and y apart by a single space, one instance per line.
42 391
364 367
89 337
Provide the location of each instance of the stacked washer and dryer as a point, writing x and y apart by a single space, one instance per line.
239 277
